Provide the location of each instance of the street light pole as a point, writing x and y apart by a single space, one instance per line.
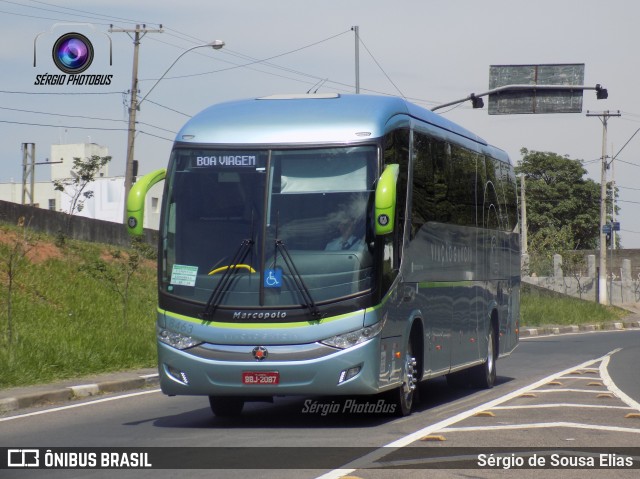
135 106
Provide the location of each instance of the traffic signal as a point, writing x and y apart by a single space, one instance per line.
601 93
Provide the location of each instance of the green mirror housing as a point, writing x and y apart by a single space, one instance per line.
135 201
385 201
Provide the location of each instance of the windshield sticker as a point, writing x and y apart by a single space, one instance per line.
273 278
182 275
226 160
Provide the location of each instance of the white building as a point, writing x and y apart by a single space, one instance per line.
107 202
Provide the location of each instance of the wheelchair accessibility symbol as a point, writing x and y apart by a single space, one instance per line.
273 278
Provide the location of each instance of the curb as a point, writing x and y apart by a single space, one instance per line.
23 398
553 330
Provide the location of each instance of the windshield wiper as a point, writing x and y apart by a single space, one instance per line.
297 278
218 292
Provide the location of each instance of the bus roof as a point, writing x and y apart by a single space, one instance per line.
307 119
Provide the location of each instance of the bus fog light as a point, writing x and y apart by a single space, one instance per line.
179 376
175 340
347 340
349 374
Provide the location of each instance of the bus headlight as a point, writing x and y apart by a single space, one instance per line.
175 340
347 340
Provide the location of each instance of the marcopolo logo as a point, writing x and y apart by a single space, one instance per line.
72 54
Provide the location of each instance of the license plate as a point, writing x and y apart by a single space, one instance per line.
262 377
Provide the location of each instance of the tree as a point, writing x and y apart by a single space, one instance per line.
560 197
83 173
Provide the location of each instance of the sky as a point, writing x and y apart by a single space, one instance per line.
428 51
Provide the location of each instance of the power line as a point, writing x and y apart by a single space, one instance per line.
107 17
73 127
155 136
43 9
380 67
13 92
33 16
167 108
84 117
626 162
62 126
60 114
265 61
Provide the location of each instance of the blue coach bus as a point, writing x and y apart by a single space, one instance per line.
331 245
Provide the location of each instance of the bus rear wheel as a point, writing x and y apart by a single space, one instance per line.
483 376
225 406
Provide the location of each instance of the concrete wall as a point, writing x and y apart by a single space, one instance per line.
85 229
623 283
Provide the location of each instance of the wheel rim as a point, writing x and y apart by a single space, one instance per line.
490 356
410 380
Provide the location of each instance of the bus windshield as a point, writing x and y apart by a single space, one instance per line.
286 228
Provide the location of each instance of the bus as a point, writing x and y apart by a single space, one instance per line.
331 245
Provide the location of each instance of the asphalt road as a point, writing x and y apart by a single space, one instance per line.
570 391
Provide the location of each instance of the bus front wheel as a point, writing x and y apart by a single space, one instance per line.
402 397
223 406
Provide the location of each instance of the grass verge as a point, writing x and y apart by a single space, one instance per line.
66 316
540 307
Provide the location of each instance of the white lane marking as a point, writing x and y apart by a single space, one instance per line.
74 406
553 406
542 425
611 386
558 335
567 390
376 455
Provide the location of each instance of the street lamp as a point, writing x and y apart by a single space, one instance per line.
135 106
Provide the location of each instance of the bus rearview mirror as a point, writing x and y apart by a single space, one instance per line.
385 201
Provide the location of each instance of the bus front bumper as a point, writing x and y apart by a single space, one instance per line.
245 371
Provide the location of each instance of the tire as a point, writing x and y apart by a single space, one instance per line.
223 406
483 376
403 396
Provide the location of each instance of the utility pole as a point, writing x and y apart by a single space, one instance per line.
523 217
138 33
602 273
613 199
356 30
28 172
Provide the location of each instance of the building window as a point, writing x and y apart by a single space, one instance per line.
52 204
155 204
